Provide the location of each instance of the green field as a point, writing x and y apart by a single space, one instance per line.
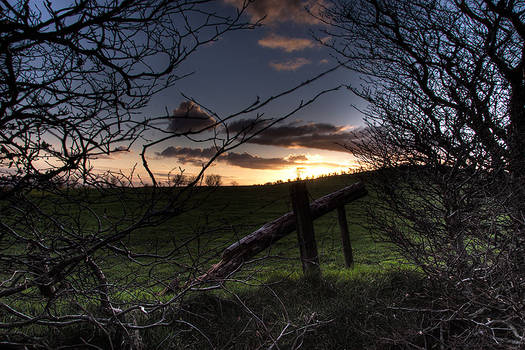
269 304
346 309
225 214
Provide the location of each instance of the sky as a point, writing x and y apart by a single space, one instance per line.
228 75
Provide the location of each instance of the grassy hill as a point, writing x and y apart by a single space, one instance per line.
225 214
272 303
268 303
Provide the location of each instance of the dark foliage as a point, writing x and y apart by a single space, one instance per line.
445 83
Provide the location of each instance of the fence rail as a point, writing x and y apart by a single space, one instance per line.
301 218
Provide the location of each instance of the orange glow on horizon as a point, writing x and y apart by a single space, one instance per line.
302 172
314 166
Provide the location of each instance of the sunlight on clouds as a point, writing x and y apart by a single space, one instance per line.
282 11
290 65
288 44
316 166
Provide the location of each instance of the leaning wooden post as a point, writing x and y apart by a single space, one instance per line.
305 229
247 247
345 237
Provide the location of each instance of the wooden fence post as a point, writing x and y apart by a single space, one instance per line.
305 230
345 237
247 247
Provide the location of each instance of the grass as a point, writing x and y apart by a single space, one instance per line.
233 212
343 310
346 309
340 311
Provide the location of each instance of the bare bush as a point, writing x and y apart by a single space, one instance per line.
445 83
76 250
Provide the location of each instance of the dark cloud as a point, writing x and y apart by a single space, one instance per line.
330 142
198 156
189 117
121 149
195 156
298 158
114 154
301 135
323 136
247 126
174 152
245 160
276 11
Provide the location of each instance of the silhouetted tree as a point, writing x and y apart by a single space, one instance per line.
213 180
445 86
74 79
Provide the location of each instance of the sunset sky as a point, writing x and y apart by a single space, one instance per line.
230 74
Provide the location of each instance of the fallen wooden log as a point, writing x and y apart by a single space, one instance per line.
254 243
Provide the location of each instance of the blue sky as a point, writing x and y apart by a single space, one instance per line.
231 73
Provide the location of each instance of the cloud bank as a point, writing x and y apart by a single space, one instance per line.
323 136
198 156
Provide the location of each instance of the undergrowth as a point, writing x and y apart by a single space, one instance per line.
363 308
